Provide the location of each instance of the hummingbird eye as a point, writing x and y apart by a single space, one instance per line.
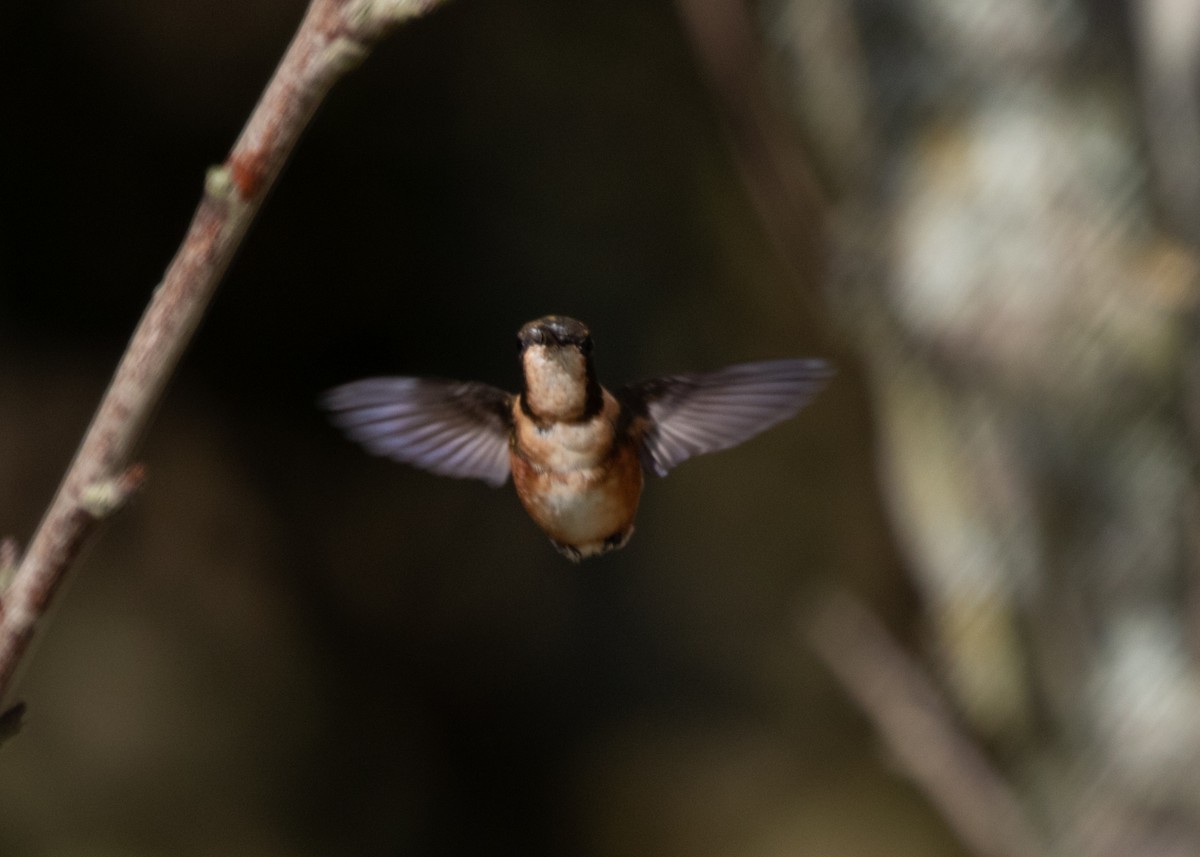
586 345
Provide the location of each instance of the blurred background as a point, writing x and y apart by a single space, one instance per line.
982 212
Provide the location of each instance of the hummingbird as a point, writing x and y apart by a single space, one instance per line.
576 451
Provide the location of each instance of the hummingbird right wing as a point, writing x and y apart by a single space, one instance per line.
679 416
452 428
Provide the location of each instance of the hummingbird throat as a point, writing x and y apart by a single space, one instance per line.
558 386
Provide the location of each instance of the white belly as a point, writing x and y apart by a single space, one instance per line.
581 508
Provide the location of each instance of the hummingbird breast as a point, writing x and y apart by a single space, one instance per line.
580 482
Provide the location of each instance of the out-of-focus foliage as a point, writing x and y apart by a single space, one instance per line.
1017 265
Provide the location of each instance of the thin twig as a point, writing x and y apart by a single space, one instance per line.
921 732
333 37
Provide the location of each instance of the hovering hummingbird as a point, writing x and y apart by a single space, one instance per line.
576 452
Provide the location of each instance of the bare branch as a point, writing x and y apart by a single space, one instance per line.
333 37
920 730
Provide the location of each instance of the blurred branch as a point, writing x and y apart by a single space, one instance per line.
332 38
922 732
1168 52
787 195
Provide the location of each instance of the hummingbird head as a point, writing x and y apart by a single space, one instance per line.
559 380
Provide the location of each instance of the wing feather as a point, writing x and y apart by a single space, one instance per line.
687 415
451 428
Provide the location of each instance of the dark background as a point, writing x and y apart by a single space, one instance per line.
286 647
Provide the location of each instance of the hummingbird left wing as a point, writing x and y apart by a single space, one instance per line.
680 416
451 428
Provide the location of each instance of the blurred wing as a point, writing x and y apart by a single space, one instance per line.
458 429
686 415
